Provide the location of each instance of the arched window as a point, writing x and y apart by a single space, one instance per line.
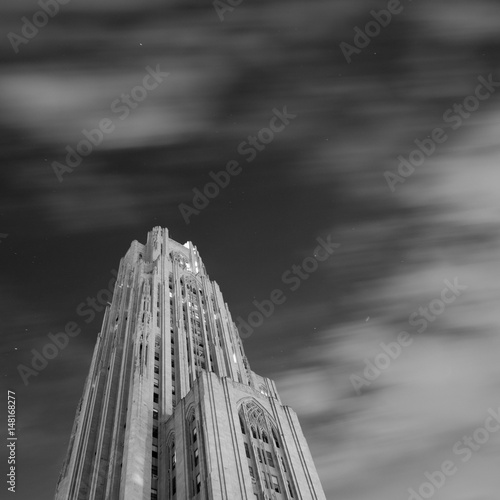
263 450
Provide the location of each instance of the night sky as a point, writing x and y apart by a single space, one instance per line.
329 171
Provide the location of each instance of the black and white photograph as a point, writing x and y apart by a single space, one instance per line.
250 249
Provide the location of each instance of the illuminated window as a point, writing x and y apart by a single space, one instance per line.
276 486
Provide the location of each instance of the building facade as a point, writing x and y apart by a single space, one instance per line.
171 409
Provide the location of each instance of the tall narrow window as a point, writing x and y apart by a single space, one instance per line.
196 457
276 485
264 479
276 442
247 450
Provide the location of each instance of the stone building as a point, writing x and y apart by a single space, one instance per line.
171 408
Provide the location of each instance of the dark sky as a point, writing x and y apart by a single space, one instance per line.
324 175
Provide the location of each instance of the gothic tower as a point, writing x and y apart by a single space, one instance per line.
171 409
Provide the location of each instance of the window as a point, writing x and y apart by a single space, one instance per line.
155 414
154 470
195 434
290 488
174 486
269 458
276 442
198 483
251 472
264 479
247 450
264 438
283 464
276 486
157 356
196 457
155 432
155 397
154 494
260 456
254 433
157 369
156 382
